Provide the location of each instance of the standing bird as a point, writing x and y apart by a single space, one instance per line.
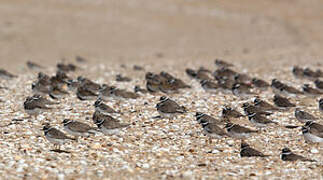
77 128
237 131
55 136
228 112
247 151
168 108
288 155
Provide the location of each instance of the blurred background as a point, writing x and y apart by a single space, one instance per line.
146 31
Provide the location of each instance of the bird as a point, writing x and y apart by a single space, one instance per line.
80 59
4 74
314 126
237 131
77 128
247 151
73 85
319 84
298 72
276 86
57 93
312 135
310 74
222 64
260 84
260 121
89 85
34 106
265 106
321 105
168 86
242 78
55 136
228 112
110 126
201 118
39 88
137 89
303 116
121 93
225 72
288 155
209 86
178 83
250 109
33 66
121 78
242 90
43 99
103 108
308 90
85 94
168 108
282 102
66 67
212 130
153 81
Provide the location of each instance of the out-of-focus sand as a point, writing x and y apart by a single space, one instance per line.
137 30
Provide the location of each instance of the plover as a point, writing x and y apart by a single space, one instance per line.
242 90
212 130
55 136
314 126
319 84
237 131
66 67
103 108
138 89
33 66
202 118
303 116
43 99
247 151
228 112
298 72
77 128
222 64
39 88
260 121
265 106
310 74
121 93
260 84
84 94
225 72
6 75
312 135
288 155
209 86
175 81
321 105
57 93
110 126
168 108
121 78
242 78
34 106
282 102
89 85
80 59
250 109
308 90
